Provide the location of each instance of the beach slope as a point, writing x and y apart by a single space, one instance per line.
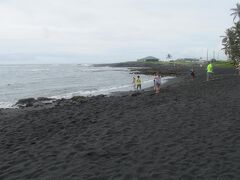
191 130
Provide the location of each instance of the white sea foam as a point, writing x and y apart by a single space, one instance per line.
86 65
102 69
95 92
36 70
6 105
107 90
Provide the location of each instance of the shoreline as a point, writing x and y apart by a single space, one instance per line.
188 131
42 102
47 101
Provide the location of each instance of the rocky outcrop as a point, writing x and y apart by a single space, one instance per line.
32 102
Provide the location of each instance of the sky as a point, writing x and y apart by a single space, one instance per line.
100 31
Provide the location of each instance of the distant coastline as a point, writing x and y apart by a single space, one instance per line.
165 68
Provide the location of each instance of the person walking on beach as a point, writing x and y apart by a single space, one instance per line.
134 82
192 73
139 83
209 71
158 80
154 81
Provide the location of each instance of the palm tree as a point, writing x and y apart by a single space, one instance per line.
231 43
236 12
169 56
225 44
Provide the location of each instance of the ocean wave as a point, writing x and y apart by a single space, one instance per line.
103 69
85 65
94 92
105 91
36 70
6 105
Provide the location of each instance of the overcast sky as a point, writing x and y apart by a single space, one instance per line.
96 31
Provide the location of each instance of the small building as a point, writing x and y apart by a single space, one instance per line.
148 59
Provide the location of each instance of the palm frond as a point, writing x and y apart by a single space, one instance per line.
224 40
236 12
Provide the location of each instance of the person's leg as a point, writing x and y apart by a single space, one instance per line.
157 88
211 76
138 87
207 76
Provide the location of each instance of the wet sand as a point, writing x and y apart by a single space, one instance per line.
191 130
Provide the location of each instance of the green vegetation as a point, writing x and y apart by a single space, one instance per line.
231 41
152 60
177 62
223 64
220 64
155 62
185 62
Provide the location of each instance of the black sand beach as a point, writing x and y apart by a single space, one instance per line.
191 130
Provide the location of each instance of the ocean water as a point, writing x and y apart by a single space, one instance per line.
62 81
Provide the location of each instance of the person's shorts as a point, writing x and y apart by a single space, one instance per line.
209 74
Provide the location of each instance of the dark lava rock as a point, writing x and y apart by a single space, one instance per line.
27 102
136 94
78 98
45 99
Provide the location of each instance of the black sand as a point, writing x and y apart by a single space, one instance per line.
189 131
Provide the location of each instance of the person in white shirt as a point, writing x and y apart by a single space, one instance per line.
134 82
158 82
154 83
